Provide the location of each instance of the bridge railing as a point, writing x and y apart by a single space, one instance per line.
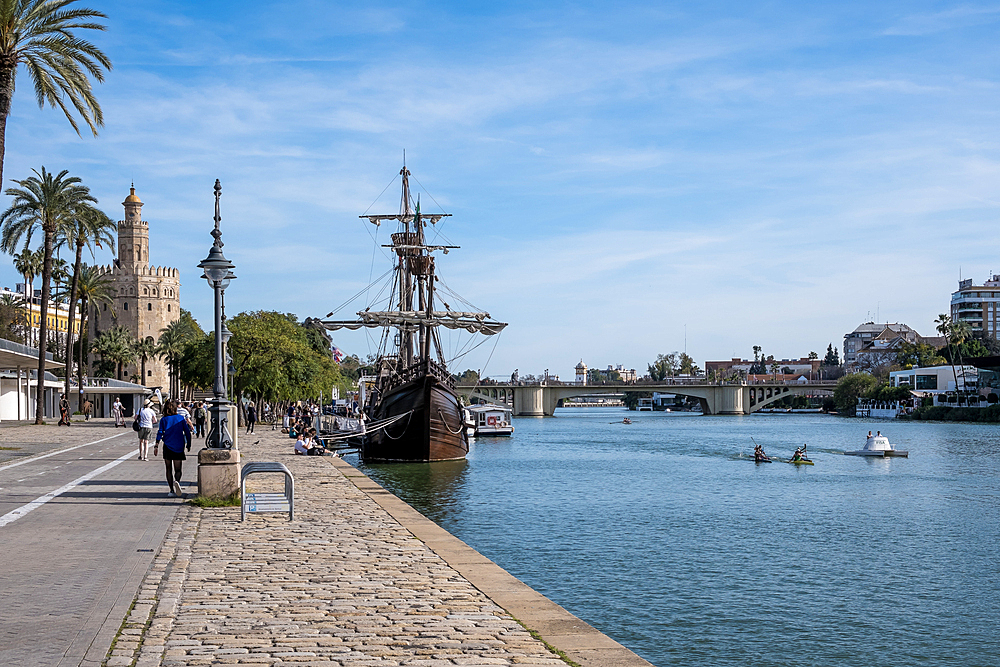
701 382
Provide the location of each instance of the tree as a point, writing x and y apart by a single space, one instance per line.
86 227
946 328
41 35
173 338
13 321
920 355
28 263
686 365
832 357
95 288
849 389
145 349
42 202
117 349
665 366
813 355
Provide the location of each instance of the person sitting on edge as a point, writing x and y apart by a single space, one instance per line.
300 446
869 434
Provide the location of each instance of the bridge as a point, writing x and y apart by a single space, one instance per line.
542 399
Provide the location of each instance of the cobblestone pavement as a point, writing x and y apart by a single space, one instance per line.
343 585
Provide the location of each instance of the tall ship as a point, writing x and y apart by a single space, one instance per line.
411 410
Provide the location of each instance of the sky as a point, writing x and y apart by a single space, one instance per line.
625 179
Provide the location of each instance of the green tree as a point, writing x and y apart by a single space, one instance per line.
665 366
832 357
95 288
42 36
145 349
43 202
920 355
849 389
813 355
28 263
116 346
173 338
686 365
197 363
13 321
87 227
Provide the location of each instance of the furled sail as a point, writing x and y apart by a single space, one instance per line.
450 319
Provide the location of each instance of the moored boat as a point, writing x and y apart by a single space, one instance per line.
489 419
878 445
410 403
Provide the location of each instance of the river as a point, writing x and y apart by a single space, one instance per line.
667 537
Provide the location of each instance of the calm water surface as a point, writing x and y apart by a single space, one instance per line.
664 536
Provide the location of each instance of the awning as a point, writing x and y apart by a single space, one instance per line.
14 354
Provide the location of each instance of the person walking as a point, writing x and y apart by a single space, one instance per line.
199 419
118 412
175 432
88 407
146 419
63 411
251 417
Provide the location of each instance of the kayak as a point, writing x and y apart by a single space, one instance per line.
765 460
802 462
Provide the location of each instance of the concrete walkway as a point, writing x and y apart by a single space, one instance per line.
80 522
359 578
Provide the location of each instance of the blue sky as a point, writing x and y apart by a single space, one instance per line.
619 173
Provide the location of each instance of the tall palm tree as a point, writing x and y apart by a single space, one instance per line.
12 319
945 327
86 228
145 350
94 287
28 263
42 202
170 347
39 34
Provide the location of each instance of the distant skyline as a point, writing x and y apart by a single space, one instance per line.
765 174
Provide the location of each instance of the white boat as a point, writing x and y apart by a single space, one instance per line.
489 419
878 445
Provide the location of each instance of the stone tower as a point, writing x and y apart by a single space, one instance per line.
581 373
147 298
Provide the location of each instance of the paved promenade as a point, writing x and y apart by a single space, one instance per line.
359 578
80 522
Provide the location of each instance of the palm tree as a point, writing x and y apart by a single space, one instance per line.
145 350
39 34
42 202
945 327
173 338
12 318
28 263
86 228
94 287
116 346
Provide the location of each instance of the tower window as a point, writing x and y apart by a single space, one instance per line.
105 307
168 307
149 306
125 306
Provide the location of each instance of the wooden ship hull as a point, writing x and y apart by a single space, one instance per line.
433 431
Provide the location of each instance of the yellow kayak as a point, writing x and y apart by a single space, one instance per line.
802 462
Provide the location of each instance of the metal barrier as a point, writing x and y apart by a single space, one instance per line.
267 502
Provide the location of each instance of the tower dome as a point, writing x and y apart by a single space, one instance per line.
132 197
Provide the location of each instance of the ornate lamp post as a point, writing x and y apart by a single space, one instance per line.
218 273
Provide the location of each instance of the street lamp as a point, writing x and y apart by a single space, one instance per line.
218 273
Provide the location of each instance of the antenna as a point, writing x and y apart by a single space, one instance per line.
404 157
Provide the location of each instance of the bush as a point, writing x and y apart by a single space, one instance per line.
992 398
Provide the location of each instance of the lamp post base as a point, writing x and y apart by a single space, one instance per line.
218 473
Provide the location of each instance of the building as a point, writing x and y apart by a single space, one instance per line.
581 373
803 365
147 297
58 317
935 380
626 374
978 305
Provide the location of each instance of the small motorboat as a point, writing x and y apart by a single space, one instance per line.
878 445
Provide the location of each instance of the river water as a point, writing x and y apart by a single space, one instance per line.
666 536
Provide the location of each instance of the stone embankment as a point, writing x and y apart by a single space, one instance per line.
359 578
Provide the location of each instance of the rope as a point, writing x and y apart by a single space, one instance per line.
386 430
445 422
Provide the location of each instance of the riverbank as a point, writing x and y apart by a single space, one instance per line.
946 413
359 578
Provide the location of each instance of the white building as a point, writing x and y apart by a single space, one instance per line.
935 380
978 305
581 373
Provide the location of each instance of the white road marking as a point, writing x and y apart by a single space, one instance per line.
59 451
14 515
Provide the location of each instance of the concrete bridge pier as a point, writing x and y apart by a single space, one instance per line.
535 402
